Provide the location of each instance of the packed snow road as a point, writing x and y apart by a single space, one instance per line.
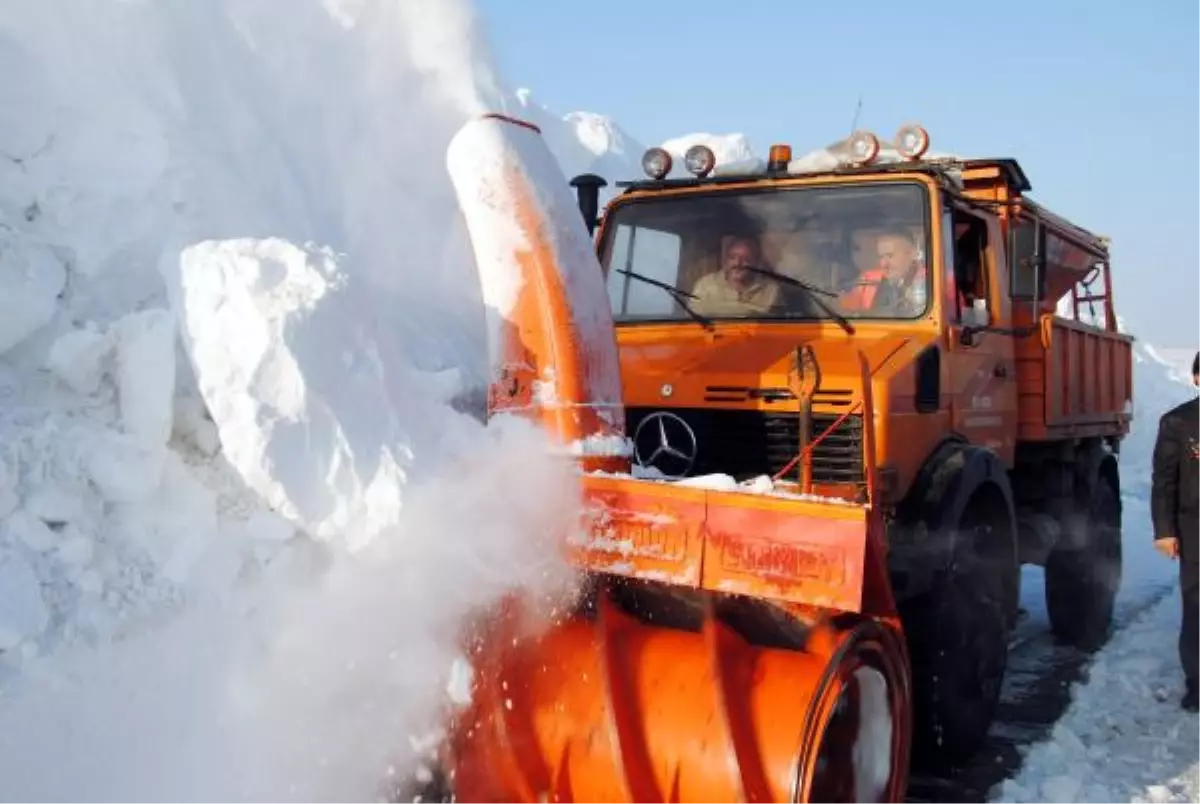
1124 738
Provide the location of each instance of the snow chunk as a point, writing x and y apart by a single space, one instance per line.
31 277
8 492
254 312
26 528
124 468
145 374
602 445
23 613
79 358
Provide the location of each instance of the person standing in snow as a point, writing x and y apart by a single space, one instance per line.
1175 511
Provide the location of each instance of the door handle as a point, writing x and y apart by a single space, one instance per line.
999 370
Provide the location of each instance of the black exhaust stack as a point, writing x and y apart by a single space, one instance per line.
587 190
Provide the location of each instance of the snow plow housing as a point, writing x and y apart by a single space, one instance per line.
782 631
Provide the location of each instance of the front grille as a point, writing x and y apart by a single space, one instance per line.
748 443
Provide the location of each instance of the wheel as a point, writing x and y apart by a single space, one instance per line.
1083 572
958 634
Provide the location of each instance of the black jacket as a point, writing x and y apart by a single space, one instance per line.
1173 496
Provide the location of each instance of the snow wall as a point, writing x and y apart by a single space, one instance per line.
242 210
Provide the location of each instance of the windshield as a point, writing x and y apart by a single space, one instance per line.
811 253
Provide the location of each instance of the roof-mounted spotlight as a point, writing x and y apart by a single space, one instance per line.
656 162
912 141
699 160
864 147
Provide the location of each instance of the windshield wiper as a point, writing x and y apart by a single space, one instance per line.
790 280
813 291
676 294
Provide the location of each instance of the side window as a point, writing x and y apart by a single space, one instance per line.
651 253
1027 247
950 297
971 280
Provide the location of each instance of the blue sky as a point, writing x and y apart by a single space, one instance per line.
1098 102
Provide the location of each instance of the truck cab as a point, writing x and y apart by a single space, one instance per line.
711 342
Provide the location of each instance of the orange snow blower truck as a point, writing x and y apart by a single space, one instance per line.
822 411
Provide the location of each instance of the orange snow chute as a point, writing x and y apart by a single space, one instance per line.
730 645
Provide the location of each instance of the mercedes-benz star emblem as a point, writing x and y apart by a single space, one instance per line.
666 442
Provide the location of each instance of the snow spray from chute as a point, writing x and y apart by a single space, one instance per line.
326 299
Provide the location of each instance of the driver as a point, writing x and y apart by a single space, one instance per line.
896 285
733 290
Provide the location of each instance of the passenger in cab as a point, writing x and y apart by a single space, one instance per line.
896 286
733 290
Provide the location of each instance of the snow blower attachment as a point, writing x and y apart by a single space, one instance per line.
731 644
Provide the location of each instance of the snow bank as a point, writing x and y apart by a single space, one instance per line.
1157 387
89 488
1178 359
582 142
246 500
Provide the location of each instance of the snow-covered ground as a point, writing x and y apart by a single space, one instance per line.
245 502
1124 737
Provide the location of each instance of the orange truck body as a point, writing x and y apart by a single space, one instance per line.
1062 379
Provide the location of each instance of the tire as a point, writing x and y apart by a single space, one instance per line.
1083 572
959 632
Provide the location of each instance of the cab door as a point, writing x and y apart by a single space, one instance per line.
982 370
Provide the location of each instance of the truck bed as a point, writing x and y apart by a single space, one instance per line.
1074 380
